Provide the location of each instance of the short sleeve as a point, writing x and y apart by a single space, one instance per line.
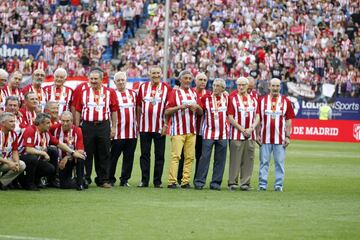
28 137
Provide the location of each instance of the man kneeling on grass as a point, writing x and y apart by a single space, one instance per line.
71 135
41 160
10 164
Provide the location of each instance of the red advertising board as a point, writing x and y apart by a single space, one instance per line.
326 130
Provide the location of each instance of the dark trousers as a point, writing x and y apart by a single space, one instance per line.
198 150
145 145
37 167
204 163
127 148
96 137
115 49
65 175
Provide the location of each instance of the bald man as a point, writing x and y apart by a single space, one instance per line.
276 113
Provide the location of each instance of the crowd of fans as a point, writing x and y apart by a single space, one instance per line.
310 42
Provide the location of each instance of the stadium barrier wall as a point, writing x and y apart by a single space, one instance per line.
326 130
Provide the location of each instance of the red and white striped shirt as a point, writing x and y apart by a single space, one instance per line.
182 121
2 98
126 125
215 125
28 117
13 92
254 94
244 110
61 95
32 137
9 143
96 105
41 95
200 119
78 91
273 115
73 137
152 100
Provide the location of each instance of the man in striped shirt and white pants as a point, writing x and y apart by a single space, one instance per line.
243 115
276 113
182 107
215 133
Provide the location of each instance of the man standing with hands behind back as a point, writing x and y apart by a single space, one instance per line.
276 113
151 101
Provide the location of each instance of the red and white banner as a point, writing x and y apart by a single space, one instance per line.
297 29
326 130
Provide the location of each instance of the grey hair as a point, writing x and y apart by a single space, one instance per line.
12 98
4 73
14 73
40 118
27 94
5 115
221 81
201 74
242 79
59 71
120 74
185 72
49 103
67 113
97 70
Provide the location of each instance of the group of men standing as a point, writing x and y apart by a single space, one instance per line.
98 123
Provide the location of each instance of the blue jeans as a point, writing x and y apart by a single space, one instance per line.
279 159
219 163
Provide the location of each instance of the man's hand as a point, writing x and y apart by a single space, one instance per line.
12 165
45 155
77 154
112 132
164 130
62 163
258 141
194 107
248 132
287 142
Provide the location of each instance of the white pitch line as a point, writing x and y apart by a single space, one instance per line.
24 238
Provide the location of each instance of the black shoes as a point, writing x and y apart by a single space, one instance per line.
157 186
199 187
214 188
80 187
172 186
124 184
143 185
186 186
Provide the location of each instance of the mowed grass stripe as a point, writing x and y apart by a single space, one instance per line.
320 201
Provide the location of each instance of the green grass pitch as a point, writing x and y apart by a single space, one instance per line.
321 200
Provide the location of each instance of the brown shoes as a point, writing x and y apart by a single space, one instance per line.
105 185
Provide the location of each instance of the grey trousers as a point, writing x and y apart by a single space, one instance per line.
241 161
10 175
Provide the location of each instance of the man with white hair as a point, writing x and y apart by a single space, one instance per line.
38 78
243 115
276 113
10 163
215 134
72 136
3 79
59 92
125 138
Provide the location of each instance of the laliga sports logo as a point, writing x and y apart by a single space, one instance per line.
295 103
356 131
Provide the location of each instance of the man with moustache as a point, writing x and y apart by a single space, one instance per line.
276 113
38 78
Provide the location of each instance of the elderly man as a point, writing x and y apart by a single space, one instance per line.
12 105
151 102
52 108
29 109
10 163
276 113
126 131
72 136
243 116
182 107
215 134
38 78
39 158
12 89
96 107
58 92
3 79
200 89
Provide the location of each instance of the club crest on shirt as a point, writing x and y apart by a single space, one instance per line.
28 140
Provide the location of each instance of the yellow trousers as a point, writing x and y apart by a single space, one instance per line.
179 142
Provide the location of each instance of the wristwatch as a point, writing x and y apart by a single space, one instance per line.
72 153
